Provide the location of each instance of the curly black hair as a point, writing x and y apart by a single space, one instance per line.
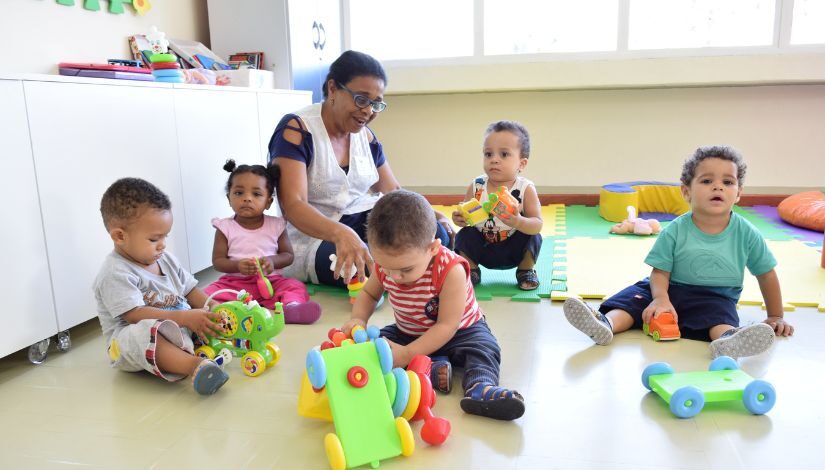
272 174
517 129
401 219
723 152
124 199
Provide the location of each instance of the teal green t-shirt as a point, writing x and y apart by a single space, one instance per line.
718 262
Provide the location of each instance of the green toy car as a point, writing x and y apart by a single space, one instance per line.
248 329
366 398
688 392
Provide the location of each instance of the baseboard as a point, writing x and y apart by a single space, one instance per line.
593 199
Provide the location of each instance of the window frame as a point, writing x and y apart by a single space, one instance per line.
781 50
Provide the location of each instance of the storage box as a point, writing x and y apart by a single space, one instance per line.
252 78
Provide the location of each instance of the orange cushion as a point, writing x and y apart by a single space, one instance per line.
806 210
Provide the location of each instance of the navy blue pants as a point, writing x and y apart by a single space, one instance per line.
358 223
474 348
698 308
506 254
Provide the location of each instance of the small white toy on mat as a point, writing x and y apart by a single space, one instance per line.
636 225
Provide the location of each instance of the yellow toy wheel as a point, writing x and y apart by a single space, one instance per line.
406 435
205 352
253 363
656 336
335 452
276 354
415 396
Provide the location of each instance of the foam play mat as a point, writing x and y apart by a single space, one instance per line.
553 215
595 268
801 277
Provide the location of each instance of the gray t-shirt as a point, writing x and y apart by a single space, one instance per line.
121 286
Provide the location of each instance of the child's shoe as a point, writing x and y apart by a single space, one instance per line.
590 322
743 341
441 374
208 377
492 401
302 313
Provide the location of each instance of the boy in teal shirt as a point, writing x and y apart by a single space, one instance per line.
698 266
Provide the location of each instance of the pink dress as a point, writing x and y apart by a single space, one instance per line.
246 243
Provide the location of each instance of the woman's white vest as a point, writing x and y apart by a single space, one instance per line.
329 189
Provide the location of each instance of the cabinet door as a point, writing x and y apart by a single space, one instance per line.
212 127
84 137
329 17
28 305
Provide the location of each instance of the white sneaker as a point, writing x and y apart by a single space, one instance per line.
590 322
743 341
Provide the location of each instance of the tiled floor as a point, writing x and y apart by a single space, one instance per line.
586 407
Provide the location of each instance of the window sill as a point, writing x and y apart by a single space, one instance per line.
468 76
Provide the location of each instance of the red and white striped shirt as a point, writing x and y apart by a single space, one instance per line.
416 305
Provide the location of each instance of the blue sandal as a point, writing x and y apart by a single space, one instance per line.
209 377
495 402
439 363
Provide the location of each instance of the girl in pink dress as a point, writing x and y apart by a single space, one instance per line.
250 234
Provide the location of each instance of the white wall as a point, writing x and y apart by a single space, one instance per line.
37 34
582 139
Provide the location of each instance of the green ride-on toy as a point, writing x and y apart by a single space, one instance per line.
248 328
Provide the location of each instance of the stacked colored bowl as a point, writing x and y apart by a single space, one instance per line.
165 68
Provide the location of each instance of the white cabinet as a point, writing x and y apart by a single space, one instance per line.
84 137
272 106
66 139
212 127
299 38
28 307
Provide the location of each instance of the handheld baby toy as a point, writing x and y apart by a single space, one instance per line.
264 285
354 286
498 203
247 332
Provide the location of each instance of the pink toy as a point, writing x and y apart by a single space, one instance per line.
635 225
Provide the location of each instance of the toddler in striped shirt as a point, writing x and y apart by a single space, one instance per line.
434 304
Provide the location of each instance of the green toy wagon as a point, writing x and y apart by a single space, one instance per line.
688 392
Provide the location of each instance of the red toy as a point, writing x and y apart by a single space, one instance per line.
662 328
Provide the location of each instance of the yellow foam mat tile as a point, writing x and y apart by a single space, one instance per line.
553 216
801 278
598 268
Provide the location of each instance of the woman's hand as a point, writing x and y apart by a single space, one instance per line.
351 251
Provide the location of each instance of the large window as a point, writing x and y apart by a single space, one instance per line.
808 22
484 30
677 24
530 26
420 29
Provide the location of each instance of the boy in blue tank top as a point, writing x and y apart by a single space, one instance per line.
698 266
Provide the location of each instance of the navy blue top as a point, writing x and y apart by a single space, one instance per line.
280 147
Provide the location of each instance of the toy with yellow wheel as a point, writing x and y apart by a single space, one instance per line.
355 379
248 329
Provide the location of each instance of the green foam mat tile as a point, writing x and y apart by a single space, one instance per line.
502 283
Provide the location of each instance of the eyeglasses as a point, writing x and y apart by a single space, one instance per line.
362 101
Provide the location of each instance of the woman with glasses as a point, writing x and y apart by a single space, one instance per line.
333 170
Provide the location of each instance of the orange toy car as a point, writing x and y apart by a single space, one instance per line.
662 328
